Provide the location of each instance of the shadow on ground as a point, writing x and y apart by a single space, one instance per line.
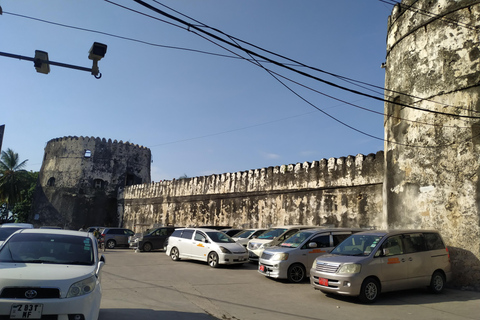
149 314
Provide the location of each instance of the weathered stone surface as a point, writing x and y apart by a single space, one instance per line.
80 178
432 158
346 192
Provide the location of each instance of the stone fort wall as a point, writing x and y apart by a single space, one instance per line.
342 192
433 152
80 178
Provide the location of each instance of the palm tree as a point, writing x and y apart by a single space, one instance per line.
13 178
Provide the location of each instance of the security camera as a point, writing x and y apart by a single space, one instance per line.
97 51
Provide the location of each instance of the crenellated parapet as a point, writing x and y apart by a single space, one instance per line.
81 139
326 173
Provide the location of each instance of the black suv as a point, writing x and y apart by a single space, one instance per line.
113 237
151 240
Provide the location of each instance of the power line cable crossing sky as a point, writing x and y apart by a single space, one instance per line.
200 108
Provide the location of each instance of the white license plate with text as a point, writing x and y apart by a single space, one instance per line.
26 311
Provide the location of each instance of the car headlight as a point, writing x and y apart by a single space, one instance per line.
280 256
82 287
225 250
350 268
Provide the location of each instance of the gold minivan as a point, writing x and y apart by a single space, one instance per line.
370 262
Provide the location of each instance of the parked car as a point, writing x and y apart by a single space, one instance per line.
371 262
8 229
151 240
15 225
293 258
212 246
246 235
271 237
115 237
231 231
50 274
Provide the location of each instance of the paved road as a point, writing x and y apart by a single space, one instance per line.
147 286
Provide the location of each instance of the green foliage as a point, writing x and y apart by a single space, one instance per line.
22 209
16 187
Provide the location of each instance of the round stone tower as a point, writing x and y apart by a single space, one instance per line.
432 126
81 177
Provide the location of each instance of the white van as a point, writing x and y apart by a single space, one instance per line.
292 258
371 262
270 238
211 246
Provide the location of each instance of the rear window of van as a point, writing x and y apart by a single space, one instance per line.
433 241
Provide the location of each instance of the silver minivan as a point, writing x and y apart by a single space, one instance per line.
371 262
292 258
271 237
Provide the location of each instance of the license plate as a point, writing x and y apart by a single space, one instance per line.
323 282
26 311
261 268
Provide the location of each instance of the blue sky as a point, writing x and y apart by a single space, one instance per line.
199 113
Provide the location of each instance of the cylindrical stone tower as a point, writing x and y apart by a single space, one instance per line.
81 177
432 148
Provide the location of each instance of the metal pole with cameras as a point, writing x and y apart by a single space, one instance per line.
42 63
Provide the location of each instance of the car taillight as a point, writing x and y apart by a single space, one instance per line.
448 253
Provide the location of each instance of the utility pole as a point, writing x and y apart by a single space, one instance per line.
2 130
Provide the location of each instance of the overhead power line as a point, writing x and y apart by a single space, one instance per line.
358 83
250 52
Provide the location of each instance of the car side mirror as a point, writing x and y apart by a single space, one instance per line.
312 245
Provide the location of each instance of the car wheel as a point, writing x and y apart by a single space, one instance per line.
296 273
111 244
437 283
212 259
369 291
174 254
147 247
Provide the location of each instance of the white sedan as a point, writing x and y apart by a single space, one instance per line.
47 273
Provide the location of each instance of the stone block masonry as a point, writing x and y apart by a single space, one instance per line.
342 192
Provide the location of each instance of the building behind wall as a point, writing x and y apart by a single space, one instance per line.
80 179
432 157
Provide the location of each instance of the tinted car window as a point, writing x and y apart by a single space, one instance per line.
296 240
288 234
6 232
393 246
414 243
220 237
187 234
433 241
322 241
200 236
48 248
338 238
177 233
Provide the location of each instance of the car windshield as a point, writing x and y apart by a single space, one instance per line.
296 240
245 234
272 233
220 237
358 245
6 232
48 248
